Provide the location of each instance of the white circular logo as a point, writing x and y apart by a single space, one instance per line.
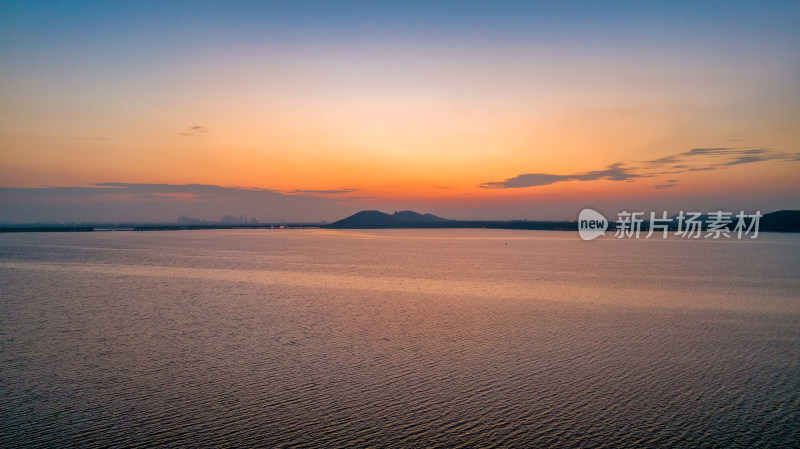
591 224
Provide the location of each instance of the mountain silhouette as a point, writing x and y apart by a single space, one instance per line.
378 219
781 221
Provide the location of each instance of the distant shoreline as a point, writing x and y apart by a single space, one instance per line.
571 226
145 227
779 221
521 225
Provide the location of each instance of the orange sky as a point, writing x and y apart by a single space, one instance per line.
401 118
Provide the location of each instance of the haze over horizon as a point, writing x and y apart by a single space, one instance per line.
311 111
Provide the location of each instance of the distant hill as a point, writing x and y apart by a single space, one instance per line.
377 219
373 219
781 221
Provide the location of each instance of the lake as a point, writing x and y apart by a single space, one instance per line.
397 338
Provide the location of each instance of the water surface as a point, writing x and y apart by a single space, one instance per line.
404 338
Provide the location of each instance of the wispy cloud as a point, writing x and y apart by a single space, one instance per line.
696 159
320 192
614 172
193 131
669 184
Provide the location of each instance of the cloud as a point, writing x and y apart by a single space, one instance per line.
193 131
664 160
696 159
669 184
132 202
701 168
713 151
527 180
320 192
746 160
92 138
614 172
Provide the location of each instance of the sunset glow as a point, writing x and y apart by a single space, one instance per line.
431 106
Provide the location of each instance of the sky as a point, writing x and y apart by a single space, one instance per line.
313 110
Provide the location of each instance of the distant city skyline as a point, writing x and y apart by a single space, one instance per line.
311 111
